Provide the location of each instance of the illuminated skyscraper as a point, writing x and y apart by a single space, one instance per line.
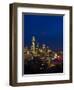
33 45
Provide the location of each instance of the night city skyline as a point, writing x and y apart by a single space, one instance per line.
43 44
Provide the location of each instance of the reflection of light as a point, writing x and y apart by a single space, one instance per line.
40 50
28 52
49 50
58 56
55 56
41 68
42 64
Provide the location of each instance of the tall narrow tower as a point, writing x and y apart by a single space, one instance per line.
33 44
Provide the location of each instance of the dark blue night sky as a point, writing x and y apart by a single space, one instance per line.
47 30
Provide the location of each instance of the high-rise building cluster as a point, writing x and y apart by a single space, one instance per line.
43 53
